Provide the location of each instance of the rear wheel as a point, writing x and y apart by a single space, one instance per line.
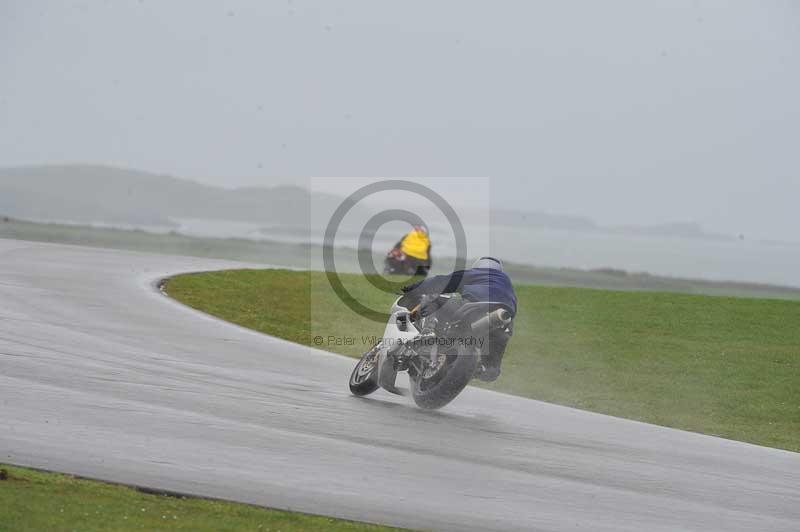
440 383
364 379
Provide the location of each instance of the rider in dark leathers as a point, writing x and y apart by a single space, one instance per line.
485 281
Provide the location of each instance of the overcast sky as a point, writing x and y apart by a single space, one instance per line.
625 112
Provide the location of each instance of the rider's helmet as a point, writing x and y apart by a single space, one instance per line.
421 228
488 262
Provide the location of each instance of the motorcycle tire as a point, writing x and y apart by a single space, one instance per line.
450 385
364 379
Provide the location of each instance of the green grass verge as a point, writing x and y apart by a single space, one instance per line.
718 365
35 501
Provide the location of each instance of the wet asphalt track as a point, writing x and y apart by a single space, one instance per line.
103 376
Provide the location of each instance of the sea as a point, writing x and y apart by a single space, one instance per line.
717 259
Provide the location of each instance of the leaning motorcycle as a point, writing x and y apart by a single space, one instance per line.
439 343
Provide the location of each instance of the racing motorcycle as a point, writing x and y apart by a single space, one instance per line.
397 262
438 342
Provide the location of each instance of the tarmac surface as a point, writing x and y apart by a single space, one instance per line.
103 376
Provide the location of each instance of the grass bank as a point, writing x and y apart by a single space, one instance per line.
719 365
33 501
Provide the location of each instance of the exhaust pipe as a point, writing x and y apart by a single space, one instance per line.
493 320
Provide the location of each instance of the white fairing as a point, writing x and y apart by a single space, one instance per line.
392 336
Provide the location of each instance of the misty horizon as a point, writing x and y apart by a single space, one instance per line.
536 218
622 112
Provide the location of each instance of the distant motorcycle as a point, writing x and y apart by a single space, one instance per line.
440 350
397 262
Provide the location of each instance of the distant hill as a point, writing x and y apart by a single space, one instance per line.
541 219
90 194
84 193
579 223
677 229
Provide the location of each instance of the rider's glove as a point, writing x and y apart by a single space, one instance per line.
428 310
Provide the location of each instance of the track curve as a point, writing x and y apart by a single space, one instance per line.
102 376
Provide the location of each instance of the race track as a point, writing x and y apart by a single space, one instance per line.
103 376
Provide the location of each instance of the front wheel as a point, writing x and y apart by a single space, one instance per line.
438 385
364 379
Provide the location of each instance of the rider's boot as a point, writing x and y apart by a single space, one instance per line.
489 368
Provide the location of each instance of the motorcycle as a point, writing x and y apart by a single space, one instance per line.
397 262
438 342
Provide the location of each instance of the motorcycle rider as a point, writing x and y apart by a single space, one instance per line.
416 246
485 281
